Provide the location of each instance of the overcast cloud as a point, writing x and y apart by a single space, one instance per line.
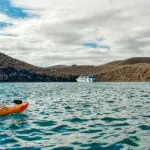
93 32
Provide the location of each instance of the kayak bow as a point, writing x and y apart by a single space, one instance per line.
13 109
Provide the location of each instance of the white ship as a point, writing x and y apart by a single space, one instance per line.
88 78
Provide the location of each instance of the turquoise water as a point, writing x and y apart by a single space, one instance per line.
67 116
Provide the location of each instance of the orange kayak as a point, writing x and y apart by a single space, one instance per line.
13 109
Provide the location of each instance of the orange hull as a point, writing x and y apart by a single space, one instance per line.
13 109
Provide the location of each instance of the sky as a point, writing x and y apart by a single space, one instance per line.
82 32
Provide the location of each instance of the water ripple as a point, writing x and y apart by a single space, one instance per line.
68 116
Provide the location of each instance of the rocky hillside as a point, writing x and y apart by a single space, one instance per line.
13 70
133 69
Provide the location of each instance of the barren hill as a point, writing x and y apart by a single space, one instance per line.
133 69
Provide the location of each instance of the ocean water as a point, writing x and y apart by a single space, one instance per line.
77 116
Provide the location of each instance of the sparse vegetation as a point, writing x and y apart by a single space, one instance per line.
134 69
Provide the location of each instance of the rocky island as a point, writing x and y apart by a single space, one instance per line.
129 70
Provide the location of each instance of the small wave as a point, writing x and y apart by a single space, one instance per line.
76 143
102 146
60 128
146 116
68 107
63 128
28 131
29 138
132 141
7 140
144 127
3 136
96 125
120 124
110 119
76 120
110 101
92 131
138 106
63 148
132 132
45 123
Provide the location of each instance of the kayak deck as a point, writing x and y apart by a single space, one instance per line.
13 109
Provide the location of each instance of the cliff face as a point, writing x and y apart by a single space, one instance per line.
134 69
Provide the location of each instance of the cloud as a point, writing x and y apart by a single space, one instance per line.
75 32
